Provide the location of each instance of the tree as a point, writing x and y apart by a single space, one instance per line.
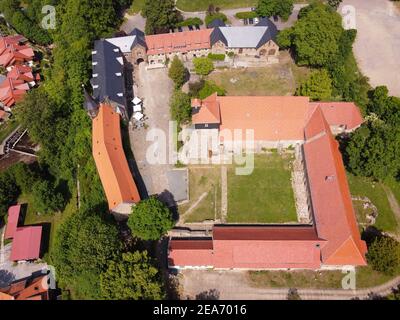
269 8
9 192
160 15
384 255
150 219
203 66
180 107
374 150
45 197
386 107
210 17
84 246
315 36
335 3
177 72
318 86
209 88
131 278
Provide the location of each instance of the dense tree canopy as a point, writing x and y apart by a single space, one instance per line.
131 278
9 192
177 72
84 245
384 255
384 106
374 150
150 219
269 8
180 107
318 86
315 36
160 15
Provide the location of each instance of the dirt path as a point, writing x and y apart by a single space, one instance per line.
394 205
224 193
378 41
234 285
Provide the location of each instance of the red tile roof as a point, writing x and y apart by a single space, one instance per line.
190 252
334 216
12 221
16 54
20 72
26 243
178 42
110 159
12 91
26 289
207 110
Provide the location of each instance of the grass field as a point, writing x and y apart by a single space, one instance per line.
49 221
364 187
274 80
203 180
202 5
136 6
365 277
265 196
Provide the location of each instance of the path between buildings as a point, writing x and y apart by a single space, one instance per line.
224 193
233 285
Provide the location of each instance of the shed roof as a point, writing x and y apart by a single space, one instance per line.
26 243
12 221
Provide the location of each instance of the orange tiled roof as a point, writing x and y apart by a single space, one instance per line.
271 118
16 54
21 72
208 110
178 42
12 91
110 158
334 216
37 289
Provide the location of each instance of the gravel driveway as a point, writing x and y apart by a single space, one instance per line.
377 45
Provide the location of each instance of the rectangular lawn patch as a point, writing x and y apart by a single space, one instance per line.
265 196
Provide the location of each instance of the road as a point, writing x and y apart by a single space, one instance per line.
378 41
233 285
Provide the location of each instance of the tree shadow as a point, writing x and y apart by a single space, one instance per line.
370 234
168 199
212 294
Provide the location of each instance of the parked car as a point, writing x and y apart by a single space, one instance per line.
180 29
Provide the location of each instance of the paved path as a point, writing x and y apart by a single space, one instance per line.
377 45
224 193
132 22
234 285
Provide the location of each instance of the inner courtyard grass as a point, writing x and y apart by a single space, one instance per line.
374 191
203 180
265 196
274 80
202 5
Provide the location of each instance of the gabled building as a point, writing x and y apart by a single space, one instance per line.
33 288
13 51
333 240
111 163
108 78
25 73
12 91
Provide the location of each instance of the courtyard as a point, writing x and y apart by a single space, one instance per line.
264 196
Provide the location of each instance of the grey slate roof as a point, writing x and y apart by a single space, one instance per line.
108 72
247 36
216 23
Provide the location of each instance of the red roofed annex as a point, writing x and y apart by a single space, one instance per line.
333 239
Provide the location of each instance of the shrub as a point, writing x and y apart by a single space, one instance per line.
209 88
203 66
177 72
318 86
384 255
190 22
180 107
216 57
246 15
214 16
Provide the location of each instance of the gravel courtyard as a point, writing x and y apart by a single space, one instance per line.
378 41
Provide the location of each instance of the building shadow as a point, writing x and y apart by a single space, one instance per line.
6 277
370 234
168 199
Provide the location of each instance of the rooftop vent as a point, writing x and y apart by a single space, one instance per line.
95 75
94 52
118 74
330 178
120 94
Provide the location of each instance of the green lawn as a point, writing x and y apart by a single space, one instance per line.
365 278
136 7
265 196
50 221
360 186
274 80
203 180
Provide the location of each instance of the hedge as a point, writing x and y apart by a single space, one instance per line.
216 57
246 15
190 22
